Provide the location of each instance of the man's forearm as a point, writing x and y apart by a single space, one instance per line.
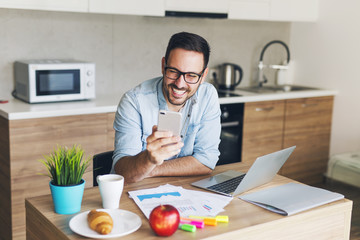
185 166
134 168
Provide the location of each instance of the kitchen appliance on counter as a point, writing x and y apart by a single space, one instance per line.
39 81
229 76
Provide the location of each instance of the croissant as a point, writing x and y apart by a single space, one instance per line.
101 222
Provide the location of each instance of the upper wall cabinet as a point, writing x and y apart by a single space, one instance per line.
264 10
274 10
294 10
49 5
128 7
200 6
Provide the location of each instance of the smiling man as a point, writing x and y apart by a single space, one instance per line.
140 150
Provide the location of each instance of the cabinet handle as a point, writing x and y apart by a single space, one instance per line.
267 109
304 105
230 124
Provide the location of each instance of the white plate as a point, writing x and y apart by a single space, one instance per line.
125 222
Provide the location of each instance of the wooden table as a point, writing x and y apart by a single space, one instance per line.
330 221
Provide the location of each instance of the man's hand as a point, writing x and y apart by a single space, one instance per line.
162 145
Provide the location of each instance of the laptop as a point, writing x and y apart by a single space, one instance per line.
263 170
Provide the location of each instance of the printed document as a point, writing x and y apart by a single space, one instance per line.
187 202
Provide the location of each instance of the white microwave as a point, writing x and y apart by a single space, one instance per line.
39 81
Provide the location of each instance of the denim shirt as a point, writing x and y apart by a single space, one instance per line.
138 110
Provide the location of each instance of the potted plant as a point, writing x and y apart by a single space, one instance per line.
66 168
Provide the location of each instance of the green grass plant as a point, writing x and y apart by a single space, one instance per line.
66 166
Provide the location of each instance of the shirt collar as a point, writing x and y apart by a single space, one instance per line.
160 96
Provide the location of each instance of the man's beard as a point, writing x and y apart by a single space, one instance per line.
167 92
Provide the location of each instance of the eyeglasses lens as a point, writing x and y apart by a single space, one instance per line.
175 74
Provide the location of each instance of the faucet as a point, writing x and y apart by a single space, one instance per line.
261 77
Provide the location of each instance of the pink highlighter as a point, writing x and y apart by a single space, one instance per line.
198 223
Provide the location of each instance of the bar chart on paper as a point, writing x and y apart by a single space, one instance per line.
187 202
158 195
184 209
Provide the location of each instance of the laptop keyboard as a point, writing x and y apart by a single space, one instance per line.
228 186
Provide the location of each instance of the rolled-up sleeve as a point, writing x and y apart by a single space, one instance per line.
127 127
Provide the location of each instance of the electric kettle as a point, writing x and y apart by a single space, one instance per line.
227 78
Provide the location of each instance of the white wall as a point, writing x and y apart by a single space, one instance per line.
126 49
327 55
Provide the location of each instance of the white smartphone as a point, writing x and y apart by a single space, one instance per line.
169 121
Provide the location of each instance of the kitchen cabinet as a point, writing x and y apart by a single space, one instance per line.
294 10
274 10
264 10
262 129
200 6
131 7
305 122
23 142
307 125
49 5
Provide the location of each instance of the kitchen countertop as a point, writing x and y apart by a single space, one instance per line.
258 97
17 109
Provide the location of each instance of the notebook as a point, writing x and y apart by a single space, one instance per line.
291 198
232 183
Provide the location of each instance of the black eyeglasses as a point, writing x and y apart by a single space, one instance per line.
189 77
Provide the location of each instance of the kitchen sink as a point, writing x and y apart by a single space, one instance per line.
276 88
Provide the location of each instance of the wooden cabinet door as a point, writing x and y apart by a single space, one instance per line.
262 129
308 126
30 139
110 132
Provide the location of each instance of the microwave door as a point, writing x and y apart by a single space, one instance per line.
54 82
53 85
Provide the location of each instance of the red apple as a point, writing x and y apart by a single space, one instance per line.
164 220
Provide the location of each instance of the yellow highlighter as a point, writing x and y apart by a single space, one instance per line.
219 218
222 218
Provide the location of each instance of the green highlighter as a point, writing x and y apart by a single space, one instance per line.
187 227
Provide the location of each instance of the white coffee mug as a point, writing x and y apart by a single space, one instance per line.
111 187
